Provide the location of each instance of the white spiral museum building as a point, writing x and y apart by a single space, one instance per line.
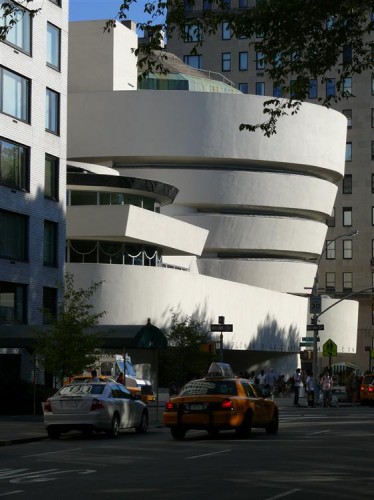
242 234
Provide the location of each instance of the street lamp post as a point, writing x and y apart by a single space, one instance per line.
315 308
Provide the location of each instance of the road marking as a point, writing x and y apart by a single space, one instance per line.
285 494
207 454
50 452
317 432
11 493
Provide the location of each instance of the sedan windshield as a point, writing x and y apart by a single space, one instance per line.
81 389
204 387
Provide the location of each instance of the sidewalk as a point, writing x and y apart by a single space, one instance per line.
18 429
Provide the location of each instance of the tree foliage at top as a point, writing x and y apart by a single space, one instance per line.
66 349
184 358
298 40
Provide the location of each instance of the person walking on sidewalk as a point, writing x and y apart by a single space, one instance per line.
326 384
297 383
309 386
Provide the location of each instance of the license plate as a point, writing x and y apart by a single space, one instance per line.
196 406
71 404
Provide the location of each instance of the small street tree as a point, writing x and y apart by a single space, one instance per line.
66 349
185 359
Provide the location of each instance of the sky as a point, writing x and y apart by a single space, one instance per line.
88 10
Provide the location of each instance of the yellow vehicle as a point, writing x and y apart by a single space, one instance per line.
367 389
220 401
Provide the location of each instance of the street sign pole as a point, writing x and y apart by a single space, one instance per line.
221 326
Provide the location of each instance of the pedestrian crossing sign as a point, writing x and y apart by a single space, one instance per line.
330 348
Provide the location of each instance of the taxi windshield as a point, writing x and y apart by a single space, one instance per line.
205 387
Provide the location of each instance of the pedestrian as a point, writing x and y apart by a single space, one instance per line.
297 384
326 385
94 376
252 378
270 381
262 382
309 386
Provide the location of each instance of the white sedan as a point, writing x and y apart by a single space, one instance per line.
94 406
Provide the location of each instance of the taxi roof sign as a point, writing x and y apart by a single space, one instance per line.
218 369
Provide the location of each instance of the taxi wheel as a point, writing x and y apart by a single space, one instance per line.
272 428
53 433
213 432
178 432
244 429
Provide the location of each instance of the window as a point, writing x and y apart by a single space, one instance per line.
313 89
330 282
372 150
243 4
12 303
226 31
207 4
192 33
53 46
243 61
277 91
330 221
51 175
372 183
57 2
226 4
372 216
14 165
347 281
372 84
226 61
347 85
347 216
15 95
330 87
50 244
13 236
347 249
330 249
347 54
348 151
348 114
243 87
49 305
260 88
347 184
52 112
260 61
195 61
188 7
372 249
19 35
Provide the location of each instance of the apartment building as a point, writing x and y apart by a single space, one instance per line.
33 96
347 265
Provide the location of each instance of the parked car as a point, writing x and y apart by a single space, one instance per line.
217 402
94 407
367 389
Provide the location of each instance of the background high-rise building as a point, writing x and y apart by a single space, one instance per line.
348 264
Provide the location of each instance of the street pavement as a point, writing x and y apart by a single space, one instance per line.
17 429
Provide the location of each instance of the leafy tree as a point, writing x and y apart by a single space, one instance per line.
184 359
67 349
298 40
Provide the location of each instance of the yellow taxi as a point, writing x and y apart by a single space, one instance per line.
220 401
367 389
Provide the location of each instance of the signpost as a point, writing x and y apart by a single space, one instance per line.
221 327
330 349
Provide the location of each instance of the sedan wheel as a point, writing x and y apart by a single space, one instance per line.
143 426
114 430
53 433
178 432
